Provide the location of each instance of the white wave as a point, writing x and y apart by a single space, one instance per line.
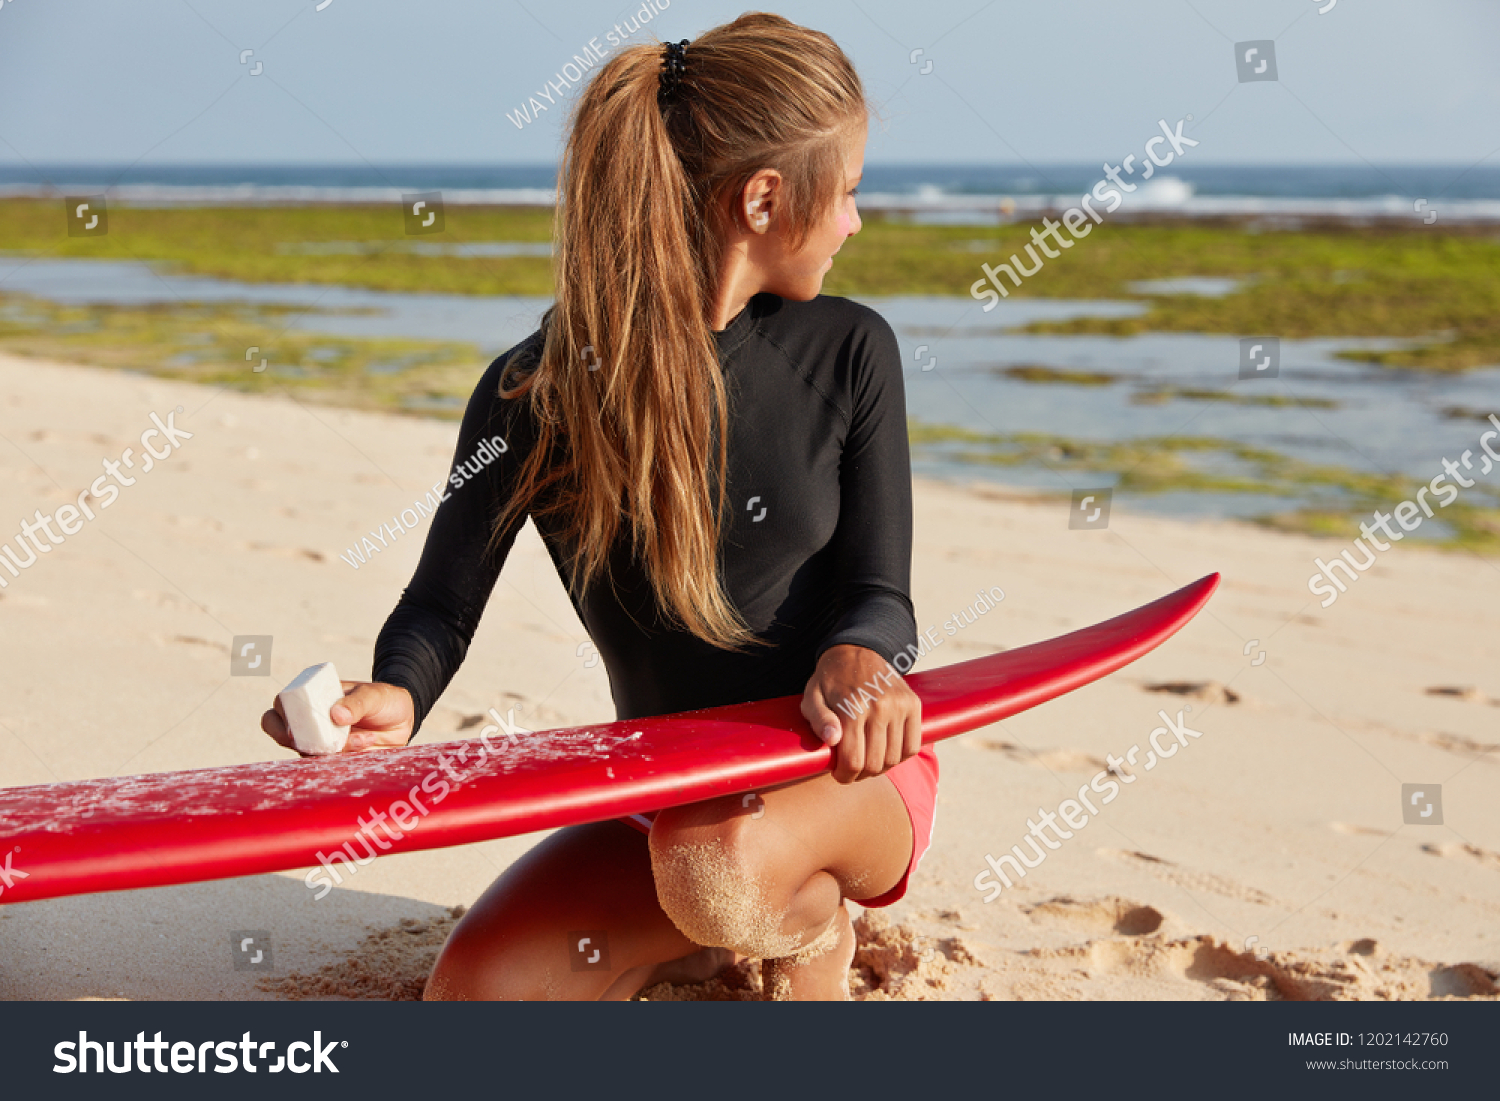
928 201
1161 193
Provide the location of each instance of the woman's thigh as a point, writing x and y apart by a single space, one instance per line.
574 917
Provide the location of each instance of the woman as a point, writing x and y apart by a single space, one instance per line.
716 458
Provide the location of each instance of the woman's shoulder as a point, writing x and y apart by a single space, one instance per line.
516 364
500 401
501 387
827 314
840 344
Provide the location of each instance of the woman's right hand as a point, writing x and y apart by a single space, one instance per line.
379 716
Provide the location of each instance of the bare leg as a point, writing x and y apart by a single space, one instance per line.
763 877
767 877
518 942
819 972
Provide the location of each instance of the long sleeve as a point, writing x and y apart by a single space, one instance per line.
874 535
426 636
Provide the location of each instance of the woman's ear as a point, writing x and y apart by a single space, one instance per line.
759 200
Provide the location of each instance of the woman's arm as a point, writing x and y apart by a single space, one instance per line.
428 633
877 723
426 636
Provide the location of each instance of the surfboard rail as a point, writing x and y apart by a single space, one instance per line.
152 830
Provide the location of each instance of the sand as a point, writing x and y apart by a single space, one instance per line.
1268 859
713 902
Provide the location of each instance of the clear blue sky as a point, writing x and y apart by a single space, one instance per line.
1067 80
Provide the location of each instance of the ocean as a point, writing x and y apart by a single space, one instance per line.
959 193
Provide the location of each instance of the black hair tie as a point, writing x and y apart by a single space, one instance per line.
673 68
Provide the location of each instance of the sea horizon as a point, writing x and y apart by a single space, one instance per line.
930 190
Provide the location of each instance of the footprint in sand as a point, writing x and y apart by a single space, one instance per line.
192 640
1235 976
1354 971
1210 691
1106 915
1468 693
288 552
1457 743
1466 747
1357 831
1188 879
1455 850
1054 760
956 918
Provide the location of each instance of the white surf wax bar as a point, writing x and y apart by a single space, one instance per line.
306 702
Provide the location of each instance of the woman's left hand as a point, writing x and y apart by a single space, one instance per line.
885 727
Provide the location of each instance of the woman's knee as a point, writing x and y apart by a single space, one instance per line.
480 963
466 970
715 878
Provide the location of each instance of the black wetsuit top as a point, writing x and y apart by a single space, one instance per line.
816 544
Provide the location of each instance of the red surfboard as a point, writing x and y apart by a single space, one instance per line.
182 827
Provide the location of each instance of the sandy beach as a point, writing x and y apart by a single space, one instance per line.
1267 859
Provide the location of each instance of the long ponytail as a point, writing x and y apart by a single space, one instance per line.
628 380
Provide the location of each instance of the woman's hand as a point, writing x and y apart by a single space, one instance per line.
886 726
379 716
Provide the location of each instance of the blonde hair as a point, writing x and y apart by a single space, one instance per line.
642 198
